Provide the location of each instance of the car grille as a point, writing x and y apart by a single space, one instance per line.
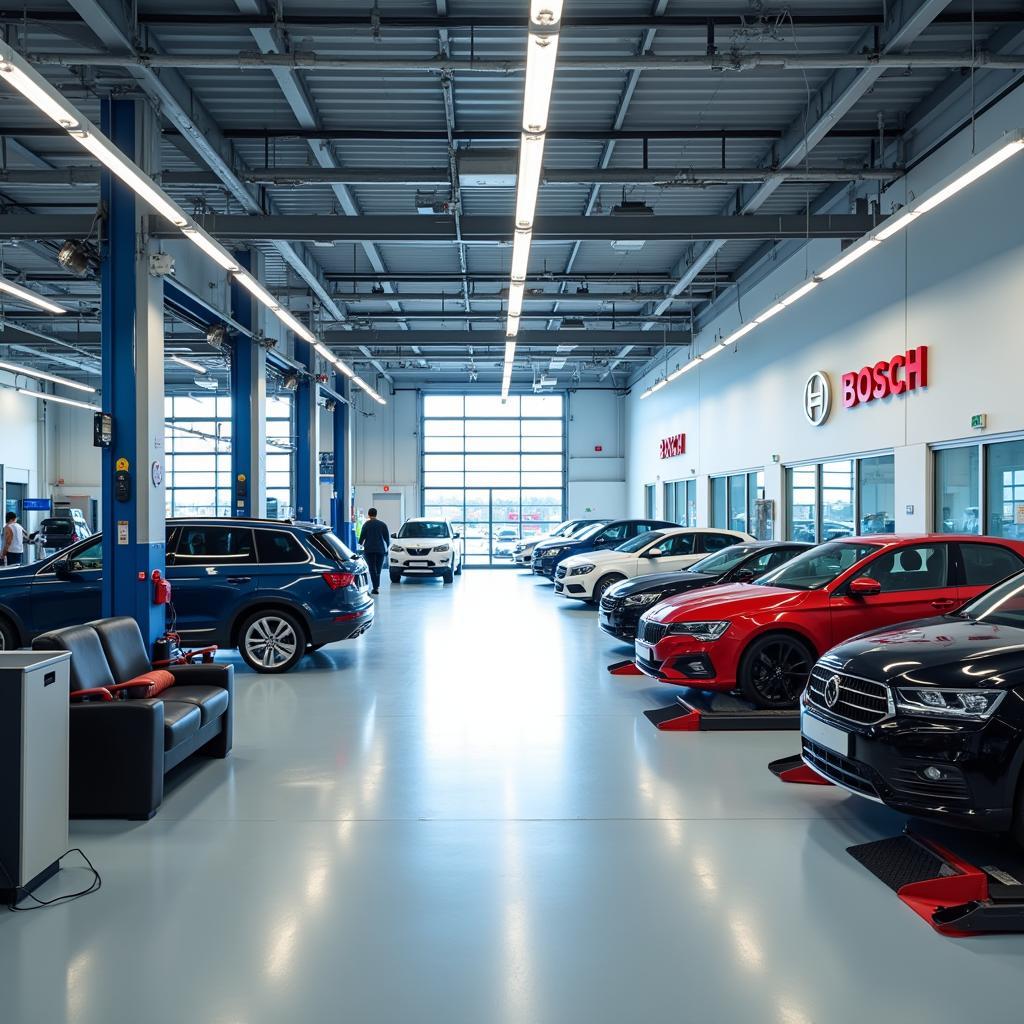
651 632
609 604
560 572
860 700
418 551
837 768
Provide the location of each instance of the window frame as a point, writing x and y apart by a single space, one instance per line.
747 509
982 446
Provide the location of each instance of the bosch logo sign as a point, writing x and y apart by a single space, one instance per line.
672 446
887 377
817 398
831 693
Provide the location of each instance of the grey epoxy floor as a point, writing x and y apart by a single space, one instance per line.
461 818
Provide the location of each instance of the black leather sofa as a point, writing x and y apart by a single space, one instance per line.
122 748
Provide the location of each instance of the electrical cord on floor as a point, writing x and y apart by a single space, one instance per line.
94 886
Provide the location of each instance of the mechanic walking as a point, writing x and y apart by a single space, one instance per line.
14 541
375 538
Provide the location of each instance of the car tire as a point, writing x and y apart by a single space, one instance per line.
458 568
602 585
396 577
774 670
8 635
448 576
271 641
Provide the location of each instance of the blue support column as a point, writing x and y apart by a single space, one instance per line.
307 455
244 402
132 355
342 524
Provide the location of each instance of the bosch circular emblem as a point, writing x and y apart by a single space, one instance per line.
817 398
831 693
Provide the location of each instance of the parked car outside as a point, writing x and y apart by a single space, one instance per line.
273 590
505 542
624 603
929 717
548 554
58 532
588 576
764 639
426 547
523 552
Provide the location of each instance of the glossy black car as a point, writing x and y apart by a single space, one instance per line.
928 717
624 603
602 536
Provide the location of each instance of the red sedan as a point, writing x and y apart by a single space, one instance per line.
763 637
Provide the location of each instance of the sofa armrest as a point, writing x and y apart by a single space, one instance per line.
202 675
117 758
96 691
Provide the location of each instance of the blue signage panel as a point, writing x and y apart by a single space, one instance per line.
36 504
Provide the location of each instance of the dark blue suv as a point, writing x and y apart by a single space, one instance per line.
600 537
274 590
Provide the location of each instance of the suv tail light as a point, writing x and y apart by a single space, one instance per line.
339 580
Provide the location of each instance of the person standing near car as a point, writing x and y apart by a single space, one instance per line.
14 541
375 538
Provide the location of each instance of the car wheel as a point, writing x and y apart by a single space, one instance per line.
447 576
271 641
458 568
774 671
396 577
8 636
603 585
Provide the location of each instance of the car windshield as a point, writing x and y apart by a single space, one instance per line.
818 567
589 531
722 561
639 542
564 529
1003 605
424 531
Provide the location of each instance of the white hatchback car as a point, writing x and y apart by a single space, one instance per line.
586 577
425 547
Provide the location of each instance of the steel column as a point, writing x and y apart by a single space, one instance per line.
343 525
133 387
307 438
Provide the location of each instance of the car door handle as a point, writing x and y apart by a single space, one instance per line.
239 579
944 602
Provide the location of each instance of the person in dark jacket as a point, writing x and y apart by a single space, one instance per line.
375 538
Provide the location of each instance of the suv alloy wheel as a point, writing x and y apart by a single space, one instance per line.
271 641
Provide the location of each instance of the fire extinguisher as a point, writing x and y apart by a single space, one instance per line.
161 589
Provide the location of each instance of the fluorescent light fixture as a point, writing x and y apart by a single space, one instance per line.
510 351
251 284
511 327
117 163
52 377
713 351
541 54
344 367
852 254
658 384
44 397
40 93
898 223
515 298
188 362
1003 153
359 381
770 312
806 287
521 253
531 164
197 236
736 335
324 352
295 325
30 297
685 368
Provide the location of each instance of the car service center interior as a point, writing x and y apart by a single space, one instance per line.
513 512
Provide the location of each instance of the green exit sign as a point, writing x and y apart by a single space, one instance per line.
978 421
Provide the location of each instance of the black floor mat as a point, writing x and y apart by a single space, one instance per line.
898 861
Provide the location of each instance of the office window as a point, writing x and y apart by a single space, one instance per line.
840 498
1004 490
197 439
956 490
719 501
681 502
650 503
802 503
733 498
280 456
877 495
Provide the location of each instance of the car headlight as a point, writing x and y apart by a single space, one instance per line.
396 547
553 551
641 600
581 570
442 547
976 704
698 630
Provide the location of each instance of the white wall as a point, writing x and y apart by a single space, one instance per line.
22 442
386 449
951 281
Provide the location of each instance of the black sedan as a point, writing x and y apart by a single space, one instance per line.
928 717
624 603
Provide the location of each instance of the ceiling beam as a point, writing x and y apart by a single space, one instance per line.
429 339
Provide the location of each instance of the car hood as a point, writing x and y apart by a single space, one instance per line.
944 651
432 542
675 581
729 600
596 557
547 545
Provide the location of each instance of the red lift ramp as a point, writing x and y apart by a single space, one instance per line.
624 668
701 711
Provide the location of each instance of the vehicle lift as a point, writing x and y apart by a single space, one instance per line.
962 883
701 711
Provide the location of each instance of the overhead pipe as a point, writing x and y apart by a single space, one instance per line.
718 61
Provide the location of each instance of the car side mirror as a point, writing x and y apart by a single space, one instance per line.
456 536
654 553
864 586
743 576
600 541
394 536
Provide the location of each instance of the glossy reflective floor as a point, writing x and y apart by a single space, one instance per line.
461 818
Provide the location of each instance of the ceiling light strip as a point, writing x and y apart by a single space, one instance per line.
44 397
188 364
51 377
24 295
